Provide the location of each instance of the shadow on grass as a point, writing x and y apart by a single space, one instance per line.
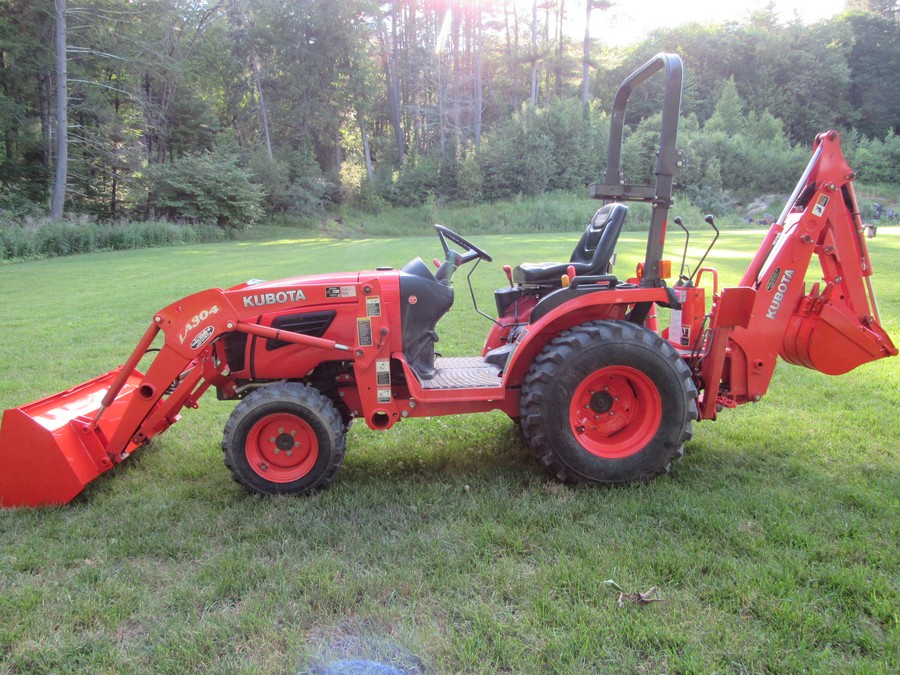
420 455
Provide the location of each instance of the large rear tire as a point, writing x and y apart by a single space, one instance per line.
285 438
608 402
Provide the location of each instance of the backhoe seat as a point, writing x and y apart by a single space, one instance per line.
591 256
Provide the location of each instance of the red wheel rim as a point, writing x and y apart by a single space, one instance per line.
615 412
282 448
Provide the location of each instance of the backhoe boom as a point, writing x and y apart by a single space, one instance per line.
834 327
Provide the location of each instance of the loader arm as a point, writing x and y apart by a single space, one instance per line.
833 328
52 448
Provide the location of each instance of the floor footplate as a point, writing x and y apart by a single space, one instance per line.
463 372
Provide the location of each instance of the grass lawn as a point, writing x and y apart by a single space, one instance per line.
441 546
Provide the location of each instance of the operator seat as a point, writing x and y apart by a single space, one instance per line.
591 256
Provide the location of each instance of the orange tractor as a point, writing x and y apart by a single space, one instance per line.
574 354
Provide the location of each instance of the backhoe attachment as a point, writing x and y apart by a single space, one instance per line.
832 328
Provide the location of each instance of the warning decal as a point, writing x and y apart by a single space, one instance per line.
364 330
821 203
383 372
340 291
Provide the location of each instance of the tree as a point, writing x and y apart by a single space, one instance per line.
389 51
873 57
886 9
477 84
728 116
533 56
26 103
302 88
62 118
240 20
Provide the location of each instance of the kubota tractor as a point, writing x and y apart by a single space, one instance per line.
574 354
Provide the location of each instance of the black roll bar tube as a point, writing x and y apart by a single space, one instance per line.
668 158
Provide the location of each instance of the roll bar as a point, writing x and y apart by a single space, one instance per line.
668 158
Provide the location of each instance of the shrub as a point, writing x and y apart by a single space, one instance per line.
206 188
15 243
414 183
292 183
733 156
876 161
469 180
15 203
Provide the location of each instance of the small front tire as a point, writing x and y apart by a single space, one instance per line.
285 438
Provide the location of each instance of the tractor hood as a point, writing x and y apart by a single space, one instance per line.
260 286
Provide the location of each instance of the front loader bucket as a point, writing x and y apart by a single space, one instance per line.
50 449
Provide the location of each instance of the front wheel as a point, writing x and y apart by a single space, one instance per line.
285 438
608 402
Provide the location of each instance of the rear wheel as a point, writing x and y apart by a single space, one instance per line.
285 438
608 402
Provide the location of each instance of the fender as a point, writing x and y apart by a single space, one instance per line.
603 305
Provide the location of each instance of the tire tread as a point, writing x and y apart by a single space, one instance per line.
289 392
544 369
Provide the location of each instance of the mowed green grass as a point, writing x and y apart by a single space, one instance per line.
441 547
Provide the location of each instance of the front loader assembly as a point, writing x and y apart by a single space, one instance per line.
52 448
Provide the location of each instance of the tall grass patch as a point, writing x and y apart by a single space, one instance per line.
549 212
45 239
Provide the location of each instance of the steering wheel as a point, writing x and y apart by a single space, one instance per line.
472 251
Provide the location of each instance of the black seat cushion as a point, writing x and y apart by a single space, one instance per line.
591 256
546 272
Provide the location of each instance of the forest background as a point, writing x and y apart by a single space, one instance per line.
218 115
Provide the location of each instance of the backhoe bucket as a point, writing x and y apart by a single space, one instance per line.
828 340
51 449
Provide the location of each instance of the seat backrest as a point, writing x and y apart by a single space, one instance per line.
598 242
